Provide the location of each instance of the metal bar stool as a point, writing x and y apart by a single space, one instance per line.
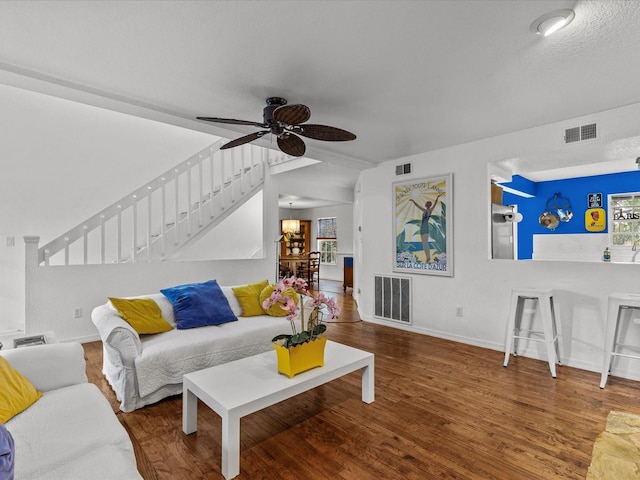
543 299
619 304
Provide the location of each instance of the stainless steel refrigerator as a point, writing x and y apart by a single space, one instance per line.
502 232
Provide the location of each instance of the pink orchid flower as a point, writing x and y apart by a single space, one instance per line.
300 287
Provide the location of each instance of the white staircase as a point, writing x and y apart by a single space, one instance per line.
158 219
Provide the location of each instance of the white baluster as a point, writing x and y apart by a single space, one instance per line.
148 224
242 169
232 177
85 240
251 166
200 191
223 178
47 254
163 217
102 237
229 176
66 251
211 183
188 199
176 236
134 220
119 239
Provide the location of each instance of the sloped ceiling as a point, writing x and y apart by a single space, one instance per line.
405 76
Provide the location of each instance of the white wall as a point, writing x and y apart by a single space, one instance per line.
239 236
482 286
578 247
53 292
61 162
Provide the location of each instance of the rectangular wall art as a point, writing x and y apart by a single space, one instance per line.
423 221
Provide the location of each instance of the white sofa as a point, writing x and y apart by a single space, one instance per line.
143 369
71 432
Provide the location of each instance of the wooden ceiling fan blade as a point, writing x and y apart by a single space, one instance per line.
324 132
292 114
232 121
291 144
242 140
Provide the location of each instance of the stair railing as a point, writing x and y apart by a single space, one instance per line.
166 213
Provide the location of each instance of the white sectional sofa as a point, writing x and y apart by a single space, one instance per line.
71 432
143 369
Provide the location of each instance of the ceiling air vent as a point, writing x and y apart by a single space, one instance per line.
403 169
580 134
588 132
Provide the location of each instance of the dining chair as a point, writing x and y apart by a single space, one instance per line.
302 269
314 267
285 270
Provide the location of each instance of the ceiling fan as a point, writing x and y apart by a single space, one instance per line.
285 122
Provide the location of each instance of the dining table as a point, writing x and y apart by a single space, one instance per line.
294 262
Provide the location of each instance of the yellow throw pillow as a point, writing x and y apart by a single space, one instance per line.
143 314
17 393
276 309
249 298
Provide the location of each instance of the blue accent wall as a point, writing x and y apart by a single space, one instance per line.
576 191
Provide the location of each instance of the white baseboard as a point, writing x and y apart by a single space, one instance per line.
569 362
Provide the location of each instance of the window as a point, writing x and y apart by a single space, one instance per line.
328 228
328 251
624 212
328 240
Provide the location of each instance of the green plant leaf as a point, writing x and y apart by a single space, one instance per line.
301 337
318 329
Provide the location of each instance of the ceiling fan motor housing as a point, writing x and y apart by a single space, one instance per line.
267 114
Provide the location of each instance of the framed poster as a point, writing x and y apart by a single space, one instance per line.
422 226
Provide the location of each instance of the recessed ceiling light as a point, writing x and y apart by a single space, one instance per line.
552 21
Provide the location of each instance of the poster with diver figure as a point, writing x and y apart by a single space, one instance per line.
422 226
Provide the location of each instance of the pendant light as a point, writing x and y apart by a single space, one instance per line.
290 226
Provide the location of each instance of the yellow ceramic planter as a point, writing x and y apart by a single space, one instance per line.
300 358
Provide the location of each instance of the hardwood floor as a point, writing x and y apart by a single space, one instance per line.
442 410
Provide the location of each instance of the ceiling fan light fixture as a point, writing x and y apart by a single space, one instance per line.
552 22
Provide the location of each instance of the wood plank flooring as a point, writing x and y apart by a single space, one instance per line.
443 410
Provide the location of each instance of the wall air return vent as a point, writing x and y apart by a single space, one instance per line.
393 298
403 169
580 134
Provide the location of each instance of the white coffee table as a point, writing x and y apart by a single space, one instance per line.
238 388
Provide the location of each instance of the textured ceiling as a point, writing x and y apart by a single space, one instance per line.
405 76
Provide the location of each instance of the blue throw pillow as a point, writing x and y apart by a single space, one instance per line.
199 304
7 453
